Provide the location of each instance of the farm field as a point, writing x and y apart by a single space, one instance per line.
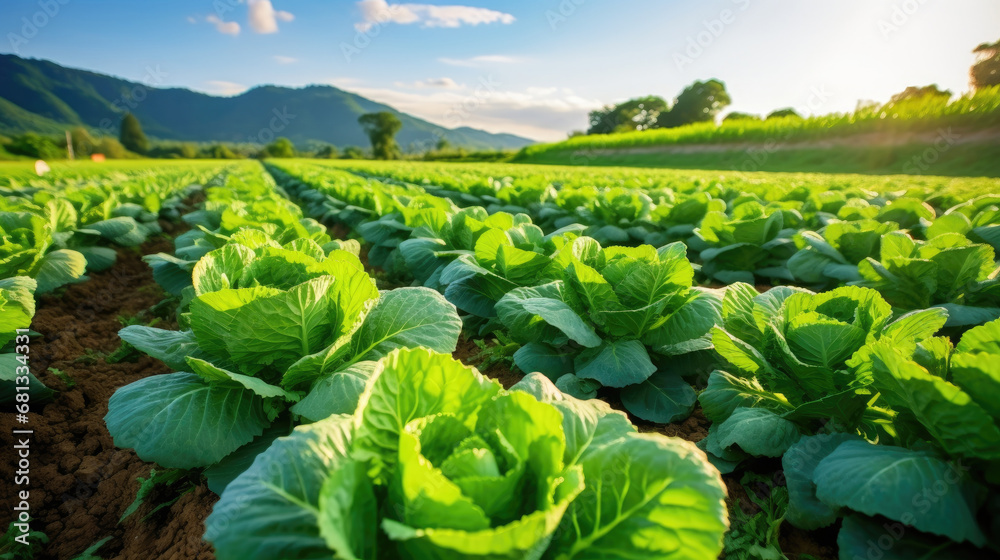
295 358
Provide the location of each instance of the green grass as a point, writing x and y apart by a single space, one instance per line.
970 114
962 160
24 171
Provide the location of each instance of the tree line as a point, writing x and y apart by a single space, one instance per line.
703 101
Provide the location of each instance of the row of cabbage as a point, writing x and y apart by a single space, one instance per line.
866 406
54 233
937 250
333 421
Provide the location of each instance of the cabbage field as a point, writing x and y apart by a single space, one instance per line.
309 359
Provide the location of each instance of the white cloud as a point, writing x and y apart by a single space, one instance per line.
284 59
431 83
192 19
377 12
538 113
220 87
264 18
225 27
482 60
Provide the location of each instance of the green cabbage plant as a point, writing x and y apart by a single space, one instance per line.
269 328
799 362
440 462
615 309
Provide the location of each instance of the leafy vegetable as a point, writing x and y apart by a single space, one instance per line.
438 461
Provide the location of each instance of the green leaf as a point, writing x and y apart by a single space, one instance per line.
857 475
213 315
758 431
272 510
298 322
540 357
337 393
726 392
348 513
864 537
615 364
658 498
170 347
214 374
17 306
561 316
805 511
967 315
59 268
179 421
915 326
684 326
577 386
585 422
948 413
412 384
221 269
662 398
985 338
406 318
221 474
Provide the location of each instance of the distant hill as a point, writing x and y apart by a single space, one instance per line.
41 96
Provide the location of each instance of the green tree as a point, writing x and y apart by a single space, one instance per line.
83 143
914 92
111 148
381 129
221 151
188 151
281 148
328 152
443 144
986 71
36 146
738 116
780 113
353 152
640 113
132 136
699 102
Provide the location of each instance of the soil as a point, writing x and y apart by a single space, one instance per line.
469 354
80 483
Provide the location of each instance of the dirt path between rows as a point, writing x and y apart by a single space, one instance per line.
80 483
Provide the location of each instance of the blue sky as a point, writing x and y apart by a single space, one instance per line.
530 67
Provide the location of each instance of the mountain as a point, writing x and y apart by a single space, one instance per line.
41 96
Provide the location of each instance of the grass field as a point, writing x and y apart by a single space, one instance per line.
925 137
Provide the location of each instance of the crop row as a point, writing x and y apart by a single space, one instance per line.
400 450
919 247
54 233
866 406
